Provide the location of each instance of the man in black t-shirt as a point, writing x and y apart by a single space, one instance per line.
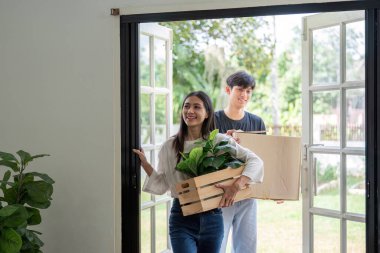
241 216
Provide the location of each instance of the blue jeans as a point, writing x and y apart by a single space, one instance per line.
197 233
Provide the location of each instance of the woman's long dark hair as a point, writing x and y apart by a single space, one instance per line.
207 126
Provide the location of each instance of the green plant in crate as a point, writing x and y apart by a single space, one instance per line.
209 156
24 193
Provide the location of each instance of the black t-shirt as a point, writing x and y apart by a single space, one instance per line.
249 122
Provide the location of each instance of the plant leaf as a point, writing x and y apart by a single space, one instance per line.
17 218
25 156
208 170
33 238
8 157
43 176
184 155
8 210
225 148
185 167
38 156
234 164
215 162
195 154
34 216
26 178
222 143
213 134
14 166
4 182
39 191
41 205
10 241
10 195
200 142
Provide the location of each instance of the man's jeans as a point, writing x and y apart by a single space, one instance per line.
197 233
242 218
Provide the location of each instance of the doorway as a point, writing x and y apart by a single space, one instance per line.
367 242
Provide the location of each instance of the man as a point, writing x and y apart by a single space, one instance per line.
241 216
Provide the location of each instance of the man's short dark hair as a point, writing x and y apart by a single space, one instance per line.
242 79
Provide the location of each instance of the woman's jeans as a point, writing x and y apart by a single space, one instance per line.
197 233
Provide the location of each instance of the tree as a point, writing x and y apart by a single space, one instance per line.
205 52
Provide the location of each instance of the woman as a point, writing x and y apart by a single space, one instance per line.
201 232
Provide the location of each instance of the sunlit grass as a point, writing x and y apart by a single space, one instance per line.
279 228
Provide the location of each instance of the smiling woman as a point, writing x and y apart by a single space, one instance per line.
202 232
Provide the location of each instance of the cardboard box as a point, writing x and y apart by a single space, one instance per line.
282 163
199 194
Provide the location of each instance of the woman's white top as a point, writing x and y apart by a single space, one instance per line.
165 177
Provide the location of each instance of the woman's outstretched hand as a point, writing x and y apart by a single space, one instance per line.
140 152
144 162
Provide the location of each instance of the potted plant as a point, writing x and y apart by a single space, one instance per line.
24 194
209 163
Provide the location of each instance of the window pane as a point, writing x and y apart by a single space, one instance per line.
326 48
145 231
355 107
161 227
160 62
327 181
355 49
326 234
326 118
144 195
144 61
161 113
282 222
355 237
146 132
355 184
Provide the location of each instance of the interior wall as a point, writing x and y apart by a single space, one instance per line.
59 94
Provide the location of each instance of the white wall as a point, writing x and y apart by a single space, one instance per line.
57 79
59 94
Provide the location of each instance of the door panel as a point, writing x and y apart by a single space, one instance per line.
333 132
156 119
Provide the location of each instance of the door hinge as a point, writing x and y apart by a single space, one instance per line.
305 152
367 189
134 181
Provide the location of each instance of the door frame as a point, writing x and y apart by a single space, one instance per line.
130 129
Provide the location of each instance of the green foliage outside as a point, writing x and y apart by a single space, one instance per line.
289 82
19 206
201 63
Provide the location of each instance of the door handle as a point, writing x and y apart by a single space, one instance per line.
315 189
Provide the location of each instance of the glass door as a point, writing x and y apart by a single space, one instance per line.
333 169
155 120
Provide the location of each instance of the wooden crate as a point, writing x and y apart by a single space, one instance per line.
199 194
